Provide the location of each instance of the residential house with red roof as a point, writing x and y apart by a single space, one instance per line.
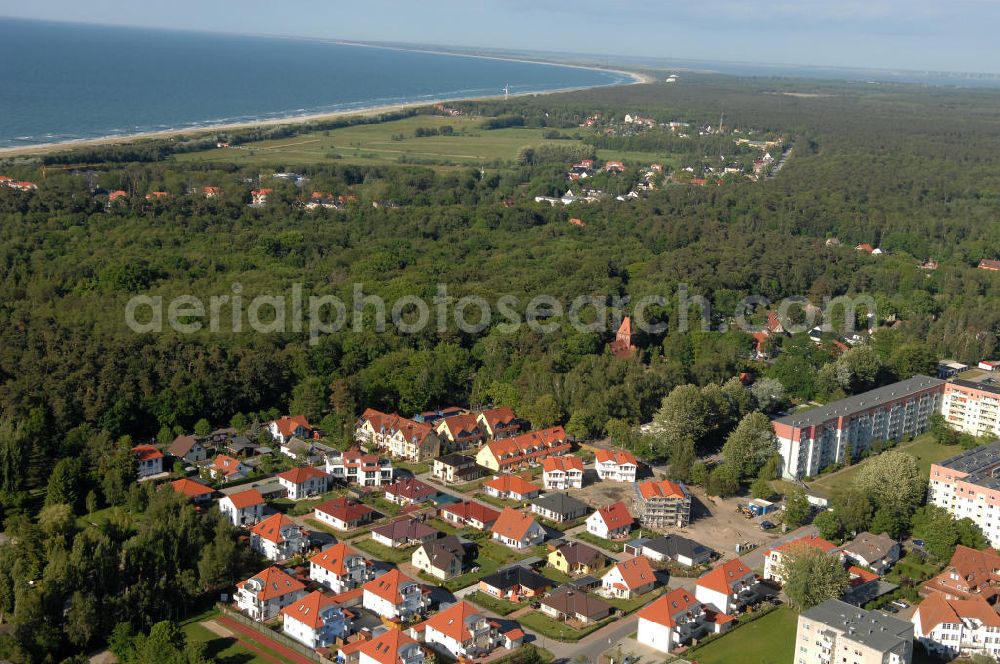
969 573
259 196
461 631
460 432
340 568
227 469
628 578
188 448
562 472
286 427
263 595
611 522
404 532
774 559
149 460
511 487
469 513
727 588
243 508
989 264
196 492
957 627
315 621
663 503
517 529
304 482
457 468
403 438
343 513
499 422
410 491
365 469
395 596
623 345
391 647
676 619
615 465
524 449
210 192
278 538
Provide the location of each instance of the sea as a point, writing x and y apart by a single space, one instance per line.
62 82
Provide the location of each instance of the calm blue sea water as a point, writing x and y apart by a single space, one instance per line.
62 82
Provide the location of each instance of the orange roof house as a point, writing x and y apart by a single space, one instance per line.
969 572
511 487
499 422
309 609
271 528
461 431
195 491
629 578
470 513
774 558
517 529
523 449
245 499
623 345
722 587
273 583
562 463
989 264
334 559
392 647
147 452
669 609
616 456
615 521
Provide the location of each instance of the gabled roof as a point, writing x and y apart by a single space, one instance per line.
182 445
227 464
309 609
512 484
441 552
563 463
411 489
974 566
615 516
332 559
663 610
384 649
147 452
814 541
390 424
499 417
455 621
190 488
466 424
344 509
570 601
302 474
454 459
722 578
635 572
675 545
271 527
620 457
274 582
519 445
388 585
517 575
245 499
288 424
560 503
869 546
472 510
937 609
662 489
576 553
405 529
513 524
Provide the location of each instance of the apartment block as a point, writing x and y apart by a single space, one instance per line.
967 485
972 407
835 631
663 503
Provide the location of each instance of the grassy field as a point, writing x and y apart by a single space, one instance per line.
600 542
923 448
382 552
543 624
394 142
501 607
768 640
225 650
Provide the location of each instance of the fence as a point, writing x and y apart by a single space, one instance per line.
265 631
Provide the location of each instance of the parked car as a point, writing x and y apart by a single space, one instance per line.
900 604
766 525
889 608
919 543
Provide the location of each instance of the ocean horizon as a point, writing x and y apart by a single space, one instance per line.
67 82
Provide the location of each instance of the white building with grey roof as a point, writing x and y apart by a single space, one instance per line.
835 631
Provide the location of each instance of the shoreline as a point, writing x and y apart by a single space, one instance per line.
366 111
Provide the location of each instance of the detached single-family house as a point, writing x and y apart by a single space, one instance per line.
297 448
278 538
340 568
680 550
499 423
393 646
188 448
563 472
265 594
343 513
576 558
149 460
774 558
304 482
360 467
462 631
628 578
615 465
876 552
404 532
316 620
395 596
196 492
227 469
469 513
284 428
454 468
511 487
517 530
559 507
410 491
441 558
515 582
727 588
611 522
568 603
522 450
244 508
676 619
460 432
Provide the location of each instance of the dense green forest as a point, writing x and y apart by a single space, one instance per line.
915 171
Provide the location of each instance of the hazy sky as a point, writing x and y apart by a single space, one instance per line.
954 35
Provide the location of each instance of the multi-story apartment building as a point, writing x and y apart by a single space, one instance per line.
957 627
835 631
972 407
401 437
562 472
615 465
340 568
663 503
527 448
265 594
357 466
967 485
812 440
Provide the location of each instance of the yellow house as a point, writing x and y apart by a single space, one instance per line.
577 558
441 558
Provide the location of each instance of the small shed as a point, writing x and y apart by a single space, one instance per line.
761 507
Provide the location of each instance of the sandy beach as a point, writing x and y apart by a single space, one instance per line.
192 132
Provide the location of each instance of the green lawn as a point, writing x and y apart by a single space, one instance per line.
768 640
636 603
923 448
600 542
225 650
496 502
382 552
415 468
501 607
556 575
541 623
106 515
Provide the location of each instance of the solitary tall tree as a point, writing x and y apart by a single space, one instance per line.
812 576
750 445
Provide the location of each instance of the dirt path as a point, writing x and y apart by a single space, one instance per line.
251 638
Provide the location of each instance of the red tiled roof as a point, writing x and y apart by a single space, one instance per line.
270 528
147 452
472 510
387 586
663 610
722 578
247 498
190 488
814 541
227 464
344 509
454 621
411 489
333 558
383 649
302 474
513 524
547 441
308 610
512 484
466 424
499 418
563 463
619 457
390 424
275 583
616 516
636 572
661 489
286 425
